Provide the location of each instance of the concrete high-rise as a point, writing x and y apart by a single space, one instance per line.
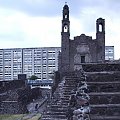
40 61
109 53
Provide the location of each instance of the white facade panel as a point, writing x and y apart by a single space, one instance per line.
31 61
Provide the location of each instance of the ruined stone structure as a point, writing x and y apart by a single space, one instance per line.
15 95
11 85
103 81
83 49
82 61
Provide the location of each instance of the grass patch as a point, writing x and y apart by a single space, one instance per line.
19 116
11 117
36 117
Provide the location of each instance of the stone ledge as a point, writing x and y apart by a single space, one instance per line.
111 82
9 101
106 105
105 117
104 93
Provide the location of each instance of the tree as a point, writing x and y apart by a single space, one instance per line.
33 77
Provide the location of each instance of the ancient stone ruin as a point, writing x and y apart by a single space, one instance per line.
87 94
88 88
14 97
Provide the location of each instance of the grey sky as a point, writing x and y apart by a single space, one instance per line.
37 23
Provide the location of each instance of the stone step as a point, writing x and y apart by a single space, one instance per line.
101 87
104 99
111 110
70 81
64 98
102 78
57 106
64 93
71 77
65 101
56 113
104 93
72 84
52 119
68 87
100 67
67 90
93 117
98 83
55 116
58 109
105 105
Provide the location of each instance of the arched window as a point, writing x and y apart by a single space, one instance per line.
100 27
65 16
65 28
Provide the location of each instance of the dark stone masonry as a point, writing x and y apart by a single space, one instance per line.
99 95
15 95
83 49
89 86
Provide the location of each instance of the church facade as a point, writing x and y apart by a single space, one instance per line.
82 49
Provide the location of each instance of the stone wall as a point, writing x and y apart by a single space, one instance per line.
101 67
13 107
10 85
15 101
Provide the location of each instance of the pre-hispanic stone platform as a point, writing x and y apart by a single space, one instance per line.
103 89
103 83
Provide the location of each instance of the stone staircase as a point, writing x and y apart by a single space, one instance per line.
58 107
104 91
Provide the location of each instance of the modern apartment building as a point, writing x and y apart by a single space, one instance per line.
1 64
109 53
31 61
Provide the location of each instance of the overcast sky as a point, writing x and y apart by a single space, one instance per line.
37 23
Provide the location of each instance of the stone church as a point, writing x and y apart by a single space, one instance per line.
82 49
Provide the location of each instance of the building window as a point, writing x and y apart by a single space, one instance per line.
100 28
65 28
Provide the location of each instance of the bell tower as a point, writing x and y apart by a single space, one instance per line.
65 39
100 37
65 20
